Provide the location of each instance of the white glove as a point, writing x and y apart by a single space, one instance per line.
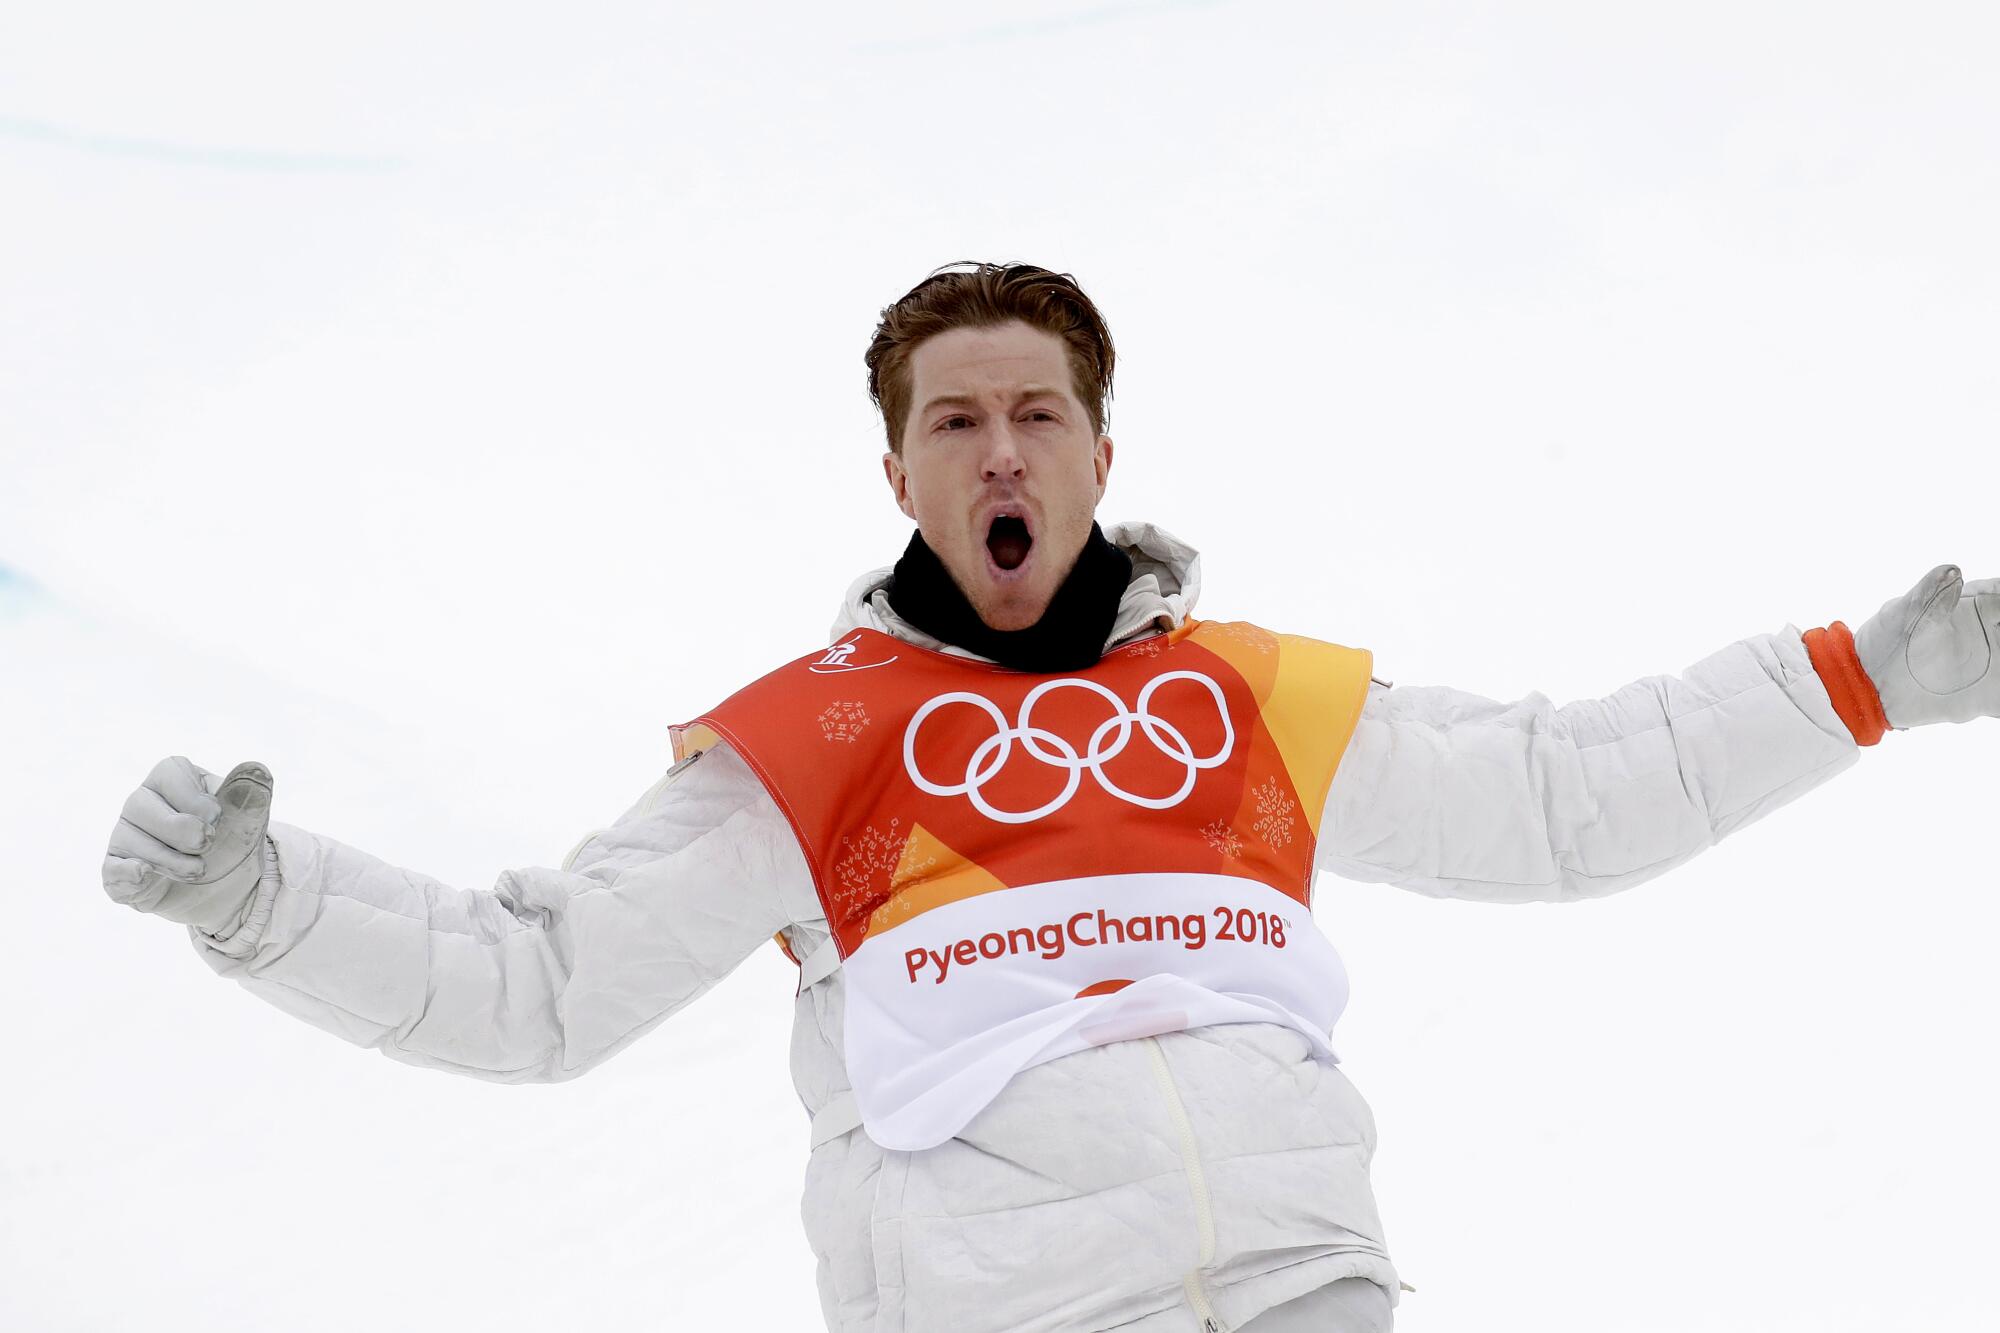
190 846
1931 653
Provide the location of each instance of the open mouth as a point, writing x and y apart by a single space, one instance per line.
1007 541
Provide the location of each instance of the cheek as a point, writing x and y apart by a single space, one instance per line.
940 506
942 492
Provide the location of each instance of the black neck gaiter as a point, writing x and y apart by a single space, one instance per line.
1069 636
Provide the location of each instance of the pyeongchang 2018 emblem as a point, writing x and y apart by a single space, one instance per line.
1050 749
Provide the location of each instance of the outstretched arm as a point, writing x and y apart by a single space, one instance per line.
550 972
1454 795
1458 796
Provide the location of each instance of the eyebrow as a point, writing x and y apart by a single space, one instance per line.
968 400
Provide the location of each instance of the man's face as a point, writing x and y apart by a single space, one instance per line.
996 429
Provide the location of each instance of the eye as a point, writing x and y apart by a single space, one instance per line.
1039 412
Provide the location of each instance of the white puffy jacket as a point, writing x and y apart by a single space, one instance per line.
1184 1181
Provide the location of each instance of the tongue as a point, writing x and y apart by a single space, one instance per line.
1009 549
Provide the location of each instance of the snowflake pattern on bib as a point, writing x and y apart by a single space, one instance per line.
1250 636
865 874
1223 838
1275 810
843 720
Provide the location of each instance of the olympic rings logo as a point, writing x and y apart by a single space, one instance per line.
994 752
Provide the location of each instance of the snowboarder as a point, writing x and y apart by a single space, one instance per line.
1042 843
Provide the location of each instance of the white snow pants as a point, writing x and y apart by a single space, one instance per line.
1351 1305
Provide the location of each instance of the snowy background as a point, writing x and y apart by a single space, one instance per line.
435 402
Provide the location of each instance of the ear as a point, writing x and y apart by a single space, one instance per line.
1102 459
899 483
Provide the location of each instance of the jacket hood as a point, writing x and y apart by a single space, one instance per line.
1166 579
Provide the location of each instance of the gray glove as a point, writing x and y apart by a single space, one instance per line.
190 846
1931 653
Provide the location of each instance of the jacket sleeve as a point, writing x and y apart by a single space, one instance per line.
550 972
1457 796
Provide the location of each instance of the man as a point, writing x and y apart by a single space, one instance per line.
1042 843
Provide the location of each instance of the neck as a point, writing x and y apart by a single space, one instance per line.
1069 636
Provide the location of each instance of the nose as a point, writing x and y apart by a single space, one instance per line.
1003 455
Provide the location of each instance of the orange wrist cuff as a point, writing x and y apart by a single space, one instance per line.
1853 694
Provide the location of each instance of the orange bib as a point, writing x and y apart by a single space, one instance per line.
1015 866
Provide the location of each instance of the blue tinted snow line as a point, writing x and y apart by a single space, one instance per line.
18 592
157 150
1036 27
